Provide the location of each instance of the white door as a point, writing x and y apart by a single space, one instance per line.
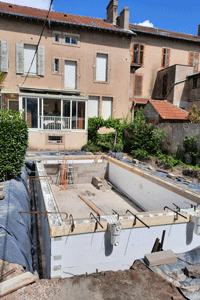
70 75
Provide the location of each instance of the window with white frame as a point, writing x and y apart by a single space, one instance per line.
93 107
30 60
101 67
27 60
70 74
106 107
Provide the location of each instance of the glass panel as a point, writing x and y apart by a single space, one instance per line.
52 114
74 40
81 115
67 40
31 112
56 37
135 59
74 115
14 105
66 114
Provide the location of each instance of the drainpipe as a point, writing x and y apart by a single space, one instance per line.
175 83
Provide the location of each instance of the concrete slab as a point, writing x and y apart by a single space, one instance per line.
105 200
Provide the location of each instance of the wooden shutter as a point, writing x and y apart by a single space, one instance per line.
41 60
138 85
19 58
191 59
4 56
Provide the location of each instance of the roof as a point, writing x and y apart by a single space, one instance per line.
164 33
169 111
140 100
34 13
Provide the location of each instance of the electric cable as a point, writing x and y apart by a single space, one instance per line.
36 50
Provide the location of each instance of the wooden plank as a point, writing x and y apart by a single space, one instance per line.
154 221
16 283
79 228
160 258
92 206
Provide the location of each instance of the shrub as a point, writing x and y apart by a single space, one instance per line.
13 143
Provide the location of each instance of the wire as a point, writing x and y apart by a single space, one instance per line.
36 50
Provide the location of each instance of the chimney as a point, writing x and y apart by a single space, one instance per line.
112 11
123 19
199 30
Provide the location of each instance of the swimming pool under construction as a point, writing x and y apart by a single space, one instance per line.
102 214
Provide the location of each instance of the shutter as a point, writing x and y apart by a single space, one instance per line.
4 56
19 58
93 107
70 75
196 62
29 54
41 60
167 58
101 67
191 59
106 107
138 85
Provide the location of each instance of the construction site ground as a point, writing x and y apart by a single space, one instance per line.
138 283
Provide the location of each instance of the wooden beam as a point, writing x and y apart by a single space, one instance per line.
16 283
92 206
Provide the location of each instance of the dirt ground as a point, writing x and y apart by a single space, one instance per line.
138 283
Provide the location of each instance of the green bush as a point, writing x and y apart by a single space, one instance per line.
13 143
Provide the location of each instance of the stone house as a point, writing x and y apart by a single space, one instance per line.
157 111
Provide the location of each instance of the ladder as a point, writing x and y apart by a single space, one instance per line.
70 174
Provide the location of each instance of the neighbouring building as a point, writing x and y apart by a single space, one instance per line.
193 81
159 111
160 60
74 74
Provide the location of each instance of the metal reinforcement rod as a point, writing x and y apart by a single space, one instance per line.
44 212
176 213
136 217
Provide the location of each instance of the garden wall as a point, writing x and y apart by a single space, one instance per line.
175 134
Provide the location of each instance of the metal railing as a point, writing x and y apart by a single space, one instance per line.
54 123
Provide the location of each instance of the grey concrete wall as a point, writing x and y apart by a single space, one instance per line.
175 134
83 172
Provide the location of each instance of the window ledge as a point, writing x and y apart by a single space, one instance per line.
101 82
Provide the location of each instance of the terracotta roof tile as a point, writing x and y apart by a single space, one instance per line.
57 16
140 100
162 32
169 111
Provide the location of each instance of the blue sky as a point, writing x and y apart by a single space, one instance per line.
182 16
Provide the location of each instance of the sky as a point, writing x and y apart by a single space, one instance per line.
182 16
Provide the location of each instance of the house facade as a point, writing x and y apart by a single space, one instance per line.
160 60
74 74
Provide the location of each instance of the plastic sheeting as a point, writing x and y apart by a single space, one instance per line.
176 272
15 228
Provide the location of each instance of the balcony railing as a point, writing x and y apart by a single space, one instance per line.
60 123
54 123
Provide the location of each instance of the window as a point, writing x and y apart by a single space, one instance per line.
165 57
138 54
101 67
30 106
24 58
29 54
13 105
106 107
193 60
138 85
93 107
70 74
71 40
195 83
57 37
164 85
56 65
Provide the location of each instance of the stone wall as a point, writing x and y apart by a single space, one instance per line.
150 113
175 134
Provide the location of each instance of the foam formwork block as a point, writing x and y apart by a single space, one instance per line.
160 258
